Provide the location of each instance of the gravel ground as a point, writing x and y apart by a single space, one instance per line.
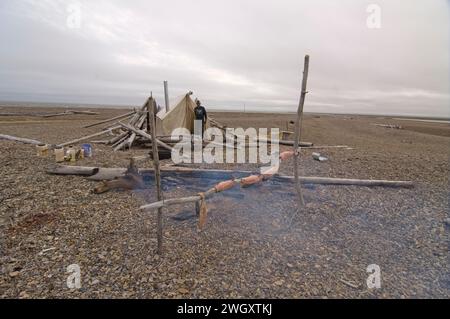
247 249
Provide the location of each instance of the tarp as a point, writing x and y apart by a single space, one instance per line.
181 115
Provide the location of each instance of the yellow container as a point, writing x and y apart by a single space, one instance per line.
42 150
71 154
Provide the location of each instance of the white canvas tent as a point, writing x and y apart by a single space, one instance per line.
181 115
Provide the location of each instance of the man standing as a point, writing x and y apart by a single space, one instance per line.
200 115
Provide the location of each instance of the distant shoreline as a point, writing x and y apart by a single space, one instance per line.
422 120
25 104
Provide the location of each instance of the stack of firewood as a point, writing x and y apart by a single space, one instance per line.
136 130
123 135
126 137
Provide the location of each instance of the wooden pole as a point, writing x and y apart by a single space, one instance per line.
69 112
148 116
117 138
102 173
127 137
298 128
58 114
89 136
19 139
281 142
308 180
121 142
146 135
73 170
111 119
166 95
159 194
139 125
285 142
84 112
138 114
319 147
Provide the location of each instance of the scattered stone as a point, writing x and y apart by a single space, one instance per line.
183 291
240 248
279 282
95 282
24 295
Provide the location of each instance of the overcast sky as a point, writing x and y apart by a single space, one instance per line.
230 53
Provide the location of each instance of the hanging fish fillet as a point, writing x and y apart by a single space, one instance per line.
223 186
286 155
251 180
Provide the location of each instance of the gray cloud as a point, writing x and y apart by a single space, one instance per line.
230 53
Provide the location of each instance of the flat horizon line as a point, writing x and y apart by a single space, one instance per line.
4 103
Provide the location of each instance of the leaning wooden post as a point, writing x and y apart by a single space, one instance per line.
166 95
159 194
298 128
148 114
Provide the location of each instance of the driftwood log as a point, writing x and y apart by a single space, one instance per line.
118 141
140 123
112 119
287 143
48 115
74 170
281 142
84 112
318 147
20 114
305 180
101 173
19 139
72 112
84 138
146 135
100 142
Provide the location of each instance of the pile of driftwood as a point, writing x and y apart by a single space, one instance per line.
124 135
137 130
393 126
128 133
